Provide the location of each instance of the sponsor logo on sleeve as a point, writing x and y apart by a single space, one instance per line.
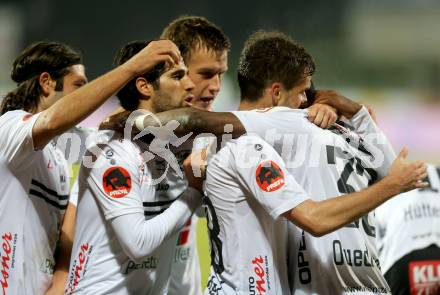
424 277
26 117
269 176
116 182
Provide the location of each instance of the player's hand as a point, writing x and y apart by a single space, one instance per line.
56 288
51 291
344 106
406 176
195 168
115 122
154 53
322 115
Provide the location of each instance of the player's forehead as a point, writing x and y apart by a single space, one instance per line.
175 68
305 83
77 71
203 56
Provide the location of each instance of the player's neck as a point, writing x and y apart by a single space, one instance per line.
146 105
246 105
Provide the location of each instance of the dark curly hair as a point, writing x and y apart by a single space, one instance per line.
51 57
269 57
188 32
128 95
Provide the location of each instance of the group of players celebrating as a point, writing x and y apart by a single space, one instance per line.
288 182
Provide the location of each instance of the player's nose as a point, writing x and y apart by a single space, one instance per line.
188 84
214 84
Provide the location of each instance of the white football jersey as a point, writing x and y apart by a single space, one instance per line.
185 272
247 189
118 185
13 203
409 222
44 176
74 144
329 163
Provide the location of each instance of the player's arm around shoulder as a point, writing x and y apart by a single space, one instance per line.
189 119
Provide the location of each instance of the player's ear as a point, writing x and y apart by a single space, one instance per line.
275 91
47 84
144 88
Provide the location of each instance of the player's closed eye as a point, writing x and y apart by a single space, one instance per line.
178 75
79 84
207 75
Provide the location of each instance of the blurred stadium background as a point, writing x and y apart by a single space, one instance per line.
383 53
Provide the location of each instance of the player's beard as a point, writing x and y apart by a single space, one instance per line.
50 101
166 103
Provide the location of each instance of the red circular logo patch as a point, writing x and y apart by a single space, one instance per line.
116 182
26 117
269 176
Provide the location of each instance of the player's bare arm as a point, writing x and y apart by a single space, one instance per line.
199 121
344 106
65 245
190 119
74 107
322 217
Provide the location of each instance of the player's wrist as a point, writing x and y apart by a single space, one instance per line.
139 122
144 120
129 69
347 107
390 186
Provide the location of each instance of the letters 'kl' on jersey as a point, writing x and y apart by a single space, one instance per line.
409 222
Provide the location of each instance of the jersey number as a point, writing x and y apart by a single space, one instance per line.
214 231
353 165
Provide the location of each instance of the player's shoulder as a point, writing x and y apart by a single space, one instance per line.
295 120
289 113
85 131
278 111
15 115
248 140
250 146
105 145
124 147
